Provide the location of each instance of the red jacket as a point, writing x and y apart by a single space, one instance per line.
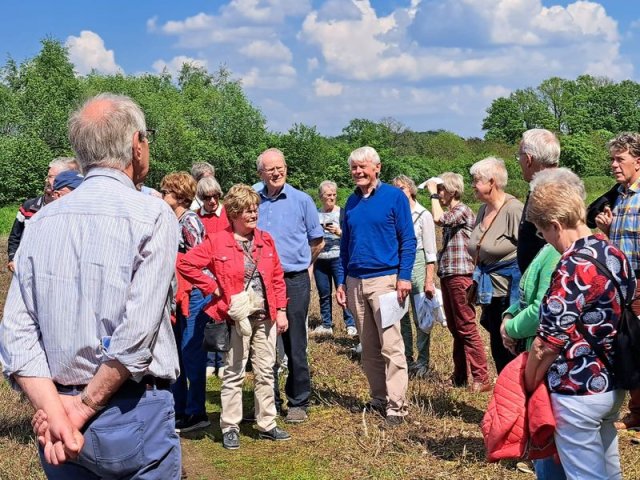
222 255
213 223
514 426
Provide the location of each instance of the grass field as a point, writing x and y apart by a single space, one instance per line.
442 439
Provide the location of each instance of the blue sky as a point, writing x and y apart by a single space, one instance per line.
430 64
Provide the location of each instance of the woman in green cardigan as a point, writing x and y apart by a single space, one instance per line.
520 321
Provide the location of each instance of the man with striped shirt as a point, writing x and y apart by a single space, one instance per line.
86 333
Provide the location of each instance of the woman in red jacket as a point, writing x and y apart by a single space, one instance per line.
248 293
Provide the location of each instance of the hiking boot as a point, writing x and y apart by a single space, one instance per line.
323 331
275 434
231 439
352 332
296 415
193 422
394 420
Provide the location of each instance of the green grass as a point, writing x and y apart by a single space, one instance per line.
7 216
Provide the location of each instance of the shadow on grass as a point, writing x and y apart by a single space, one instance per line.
441 404
454 448
17 429
324 396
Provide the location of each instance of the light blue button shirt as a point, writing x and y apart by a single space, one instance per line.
292 220
92 285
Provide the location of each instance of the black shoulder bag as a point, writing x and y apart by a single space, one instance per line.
626 368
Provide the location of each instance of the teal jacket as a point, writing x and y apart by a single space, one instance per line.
533 285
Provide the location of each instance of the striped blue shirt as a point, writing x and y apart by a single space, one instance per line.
625 227
92 284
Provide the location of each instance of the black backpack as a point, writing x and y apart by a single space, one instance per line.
626 371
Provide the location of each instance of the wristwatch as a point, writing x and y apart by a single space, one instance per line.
434 196
84 398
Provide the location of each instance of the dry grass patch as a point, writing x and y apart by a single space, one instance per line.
441 440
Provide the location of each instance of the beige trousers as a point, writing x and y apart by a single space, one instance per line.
383 359
262 345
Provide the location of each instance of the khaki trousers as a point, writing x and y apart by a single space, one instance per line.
383 359
262 345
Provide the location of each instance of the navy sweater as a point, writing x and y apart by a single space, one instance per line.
377 235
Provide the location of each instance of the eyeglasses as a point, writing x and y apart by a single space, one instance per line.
271 171
149 134
208 198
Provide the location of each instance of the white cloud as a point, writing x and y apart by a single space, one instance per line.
467 38
267 51
274 77
175 64
87 52
312 64
266 11
325 88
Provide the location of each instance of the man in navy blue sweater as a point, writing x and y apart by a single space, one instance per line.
377 250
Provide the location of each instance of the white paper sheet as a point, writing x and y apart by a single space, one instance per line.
390 310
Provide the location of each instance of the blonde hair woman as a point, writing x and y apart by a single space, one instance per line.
243 258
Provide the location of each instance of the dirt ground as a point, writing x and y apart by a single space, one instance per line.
441 440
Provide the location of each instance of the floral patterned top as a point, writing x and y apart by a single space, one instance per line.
191 231
579 290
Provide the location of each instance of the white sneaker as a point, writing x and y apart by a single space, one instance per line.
211 371
322 330
352 332
220 372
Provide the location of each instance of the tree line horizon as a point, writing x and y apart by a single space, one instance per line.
203 116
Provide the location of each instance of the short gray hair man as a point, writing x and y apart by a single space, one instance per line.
107 143
539 149
202 170
100 339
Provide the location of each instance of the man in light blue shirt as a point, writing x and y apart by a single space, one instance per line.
86 332
290 216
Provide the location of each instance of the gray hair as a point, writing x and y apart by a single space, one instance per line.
63 163
201 170
542 145
327 183
453 183
364 154
623 142
268 150
562 176
491 168
104 138
208 186
407 182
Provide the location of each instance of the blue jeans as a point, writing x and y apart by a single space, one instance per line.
298 384
190 388
324 270
133 438
548 469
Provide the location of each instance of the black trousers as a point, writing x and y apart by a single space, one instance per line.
298 384
491 319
